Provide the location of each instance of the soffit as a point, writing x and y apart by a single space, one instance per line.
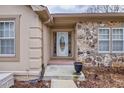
69 20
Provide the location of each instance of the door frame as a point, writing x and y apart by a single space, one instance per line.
72 43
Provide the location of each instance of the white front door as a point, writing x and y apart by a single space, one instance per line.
62 44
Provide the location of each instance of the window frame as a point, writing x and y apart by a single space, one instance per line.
103 40
111 40
8 38
117 40
16 56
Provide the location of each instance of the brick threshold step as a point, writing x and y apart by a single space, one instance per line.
61 62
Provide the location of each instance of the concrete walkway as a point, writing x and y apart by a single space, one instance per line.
62 84
62 76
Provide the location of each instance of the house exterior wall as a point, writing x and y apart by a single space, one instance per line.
30 59
87 44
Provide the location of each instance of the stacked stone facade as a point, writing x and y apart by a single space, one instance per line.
87 44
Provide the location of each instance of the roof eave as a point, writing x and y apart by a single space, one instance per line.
88 15
43 13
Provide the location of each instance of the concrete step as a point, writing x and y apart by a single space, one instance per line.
61 62
62 84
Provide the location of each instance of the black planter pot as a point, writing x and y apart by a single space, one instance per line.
78 67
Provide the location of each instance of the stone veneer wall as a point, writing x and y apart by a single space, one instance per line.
87 44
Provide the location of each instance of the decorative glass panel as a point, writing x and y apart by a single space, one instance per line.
54 43
69 44
62 43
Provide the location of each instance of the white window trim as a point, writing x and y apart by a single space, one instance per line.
103 40
10 55
118 40
7 37
111 30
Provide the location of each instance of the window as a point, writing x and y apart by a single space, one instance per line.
104 40
7 38
117 40
115 44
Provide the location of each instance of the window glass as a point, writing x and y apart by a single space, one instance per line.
117 46
103 40
103 45
117 39
7 37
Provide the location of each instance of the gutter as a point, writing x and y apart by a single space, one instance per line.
43 14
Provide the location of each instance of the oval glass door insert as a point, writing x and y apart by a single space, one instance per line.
62 43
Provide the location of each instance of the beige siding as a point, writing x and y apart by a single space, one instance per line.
35 46
35 43
30 39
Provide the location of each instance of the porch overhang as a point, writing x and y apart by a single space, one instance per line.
69 20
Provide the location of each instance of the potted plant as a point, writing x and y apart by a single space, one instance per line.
78 67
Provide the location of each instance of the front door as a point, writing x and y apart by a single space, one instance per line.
62 44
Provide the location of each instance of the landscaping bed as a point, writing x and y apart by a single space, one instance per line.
102 77
32 84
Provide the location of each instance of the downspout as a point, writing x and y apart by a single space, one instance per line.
49 20
42 65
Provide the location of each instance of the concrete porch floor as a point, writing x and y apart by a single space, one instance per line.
62 76
62 72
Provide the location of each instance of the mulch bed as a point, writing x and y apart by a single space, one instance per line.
32 84
102 78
